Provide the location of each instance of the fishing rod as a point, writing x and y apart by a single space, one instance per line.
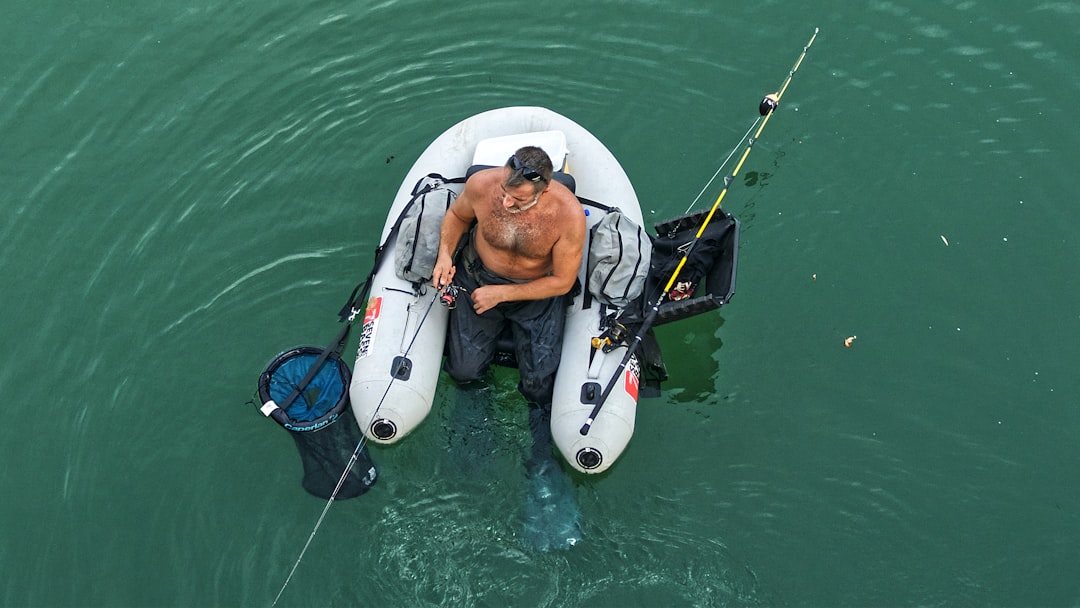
722 165
766 108
440 294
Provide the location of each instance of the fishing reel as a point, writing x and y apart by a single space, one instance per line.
449 295
613 334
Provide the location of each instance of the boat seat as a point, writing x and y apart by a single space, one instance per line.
495 150
563 178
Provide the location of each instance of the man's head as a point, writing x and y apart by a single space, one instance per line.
529 164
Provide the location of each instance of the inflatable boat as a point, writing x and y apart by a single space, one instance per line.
403 334
393 385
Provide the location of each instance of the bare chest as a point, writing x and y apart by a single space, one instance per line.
527 235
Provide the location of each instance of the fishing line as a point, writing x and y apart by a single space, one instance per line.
356 453
723 164
766 108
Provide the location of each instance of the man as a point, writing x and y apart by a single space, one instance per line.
516 265
518 262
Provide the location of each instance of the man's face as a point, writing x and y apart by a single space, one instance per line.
521 198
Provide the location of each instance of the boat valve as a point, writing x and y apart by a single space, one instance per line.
589 458
383 429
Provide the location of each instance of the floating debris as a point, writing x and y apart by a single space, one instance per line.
944 240
849 341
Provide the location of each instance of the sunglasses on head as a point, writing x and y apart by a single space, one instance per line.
526 171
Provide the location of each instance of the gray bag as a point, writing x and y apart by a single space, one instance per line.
417 245
619 255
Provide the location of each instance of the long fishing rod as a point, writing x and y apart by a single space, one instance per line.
359 449
766 108
722 165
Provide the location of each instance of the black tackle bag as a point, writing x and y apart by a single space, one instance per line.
707 280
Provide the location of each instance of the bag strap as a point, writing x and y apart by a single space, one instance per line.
600 206
360 293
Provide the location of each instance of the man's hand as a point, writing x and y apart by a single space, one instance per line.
487 297
443 272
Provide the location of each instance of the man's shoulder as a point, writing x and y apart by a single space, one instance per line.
483 176
570 217
480 182
568 201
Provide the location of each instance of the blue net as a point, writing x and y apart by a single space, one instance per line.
325 393
326 449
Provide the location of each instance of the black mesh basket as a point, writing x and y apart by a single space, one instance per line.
325 448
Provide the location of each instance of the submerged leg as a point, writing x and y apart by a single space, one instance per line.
470 436
552 517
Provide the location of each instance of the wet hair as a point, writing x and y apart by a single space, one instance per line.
529 157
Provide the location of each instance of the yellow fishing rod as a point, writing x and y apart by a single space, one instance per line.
766 108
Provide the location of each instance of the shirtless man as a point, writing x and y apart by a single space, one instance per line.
520 259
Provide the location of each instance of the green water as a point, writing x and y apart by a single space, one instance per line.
190 188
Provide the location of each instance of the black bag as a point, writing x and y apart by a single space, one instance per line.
707 280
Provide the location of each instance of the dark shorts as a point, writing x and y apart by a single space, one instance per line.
535 325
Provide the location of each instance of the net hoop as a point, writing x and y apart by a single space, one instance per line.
284 372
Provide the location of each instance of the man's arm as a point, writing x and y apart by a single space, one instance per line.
459 217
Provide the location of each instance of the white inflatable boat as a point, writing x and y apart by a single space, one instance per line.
399 357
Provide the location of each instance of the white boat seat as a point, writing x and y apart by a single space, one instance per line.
495 150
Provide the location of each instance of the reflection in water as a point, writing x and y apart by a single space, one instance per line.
691 350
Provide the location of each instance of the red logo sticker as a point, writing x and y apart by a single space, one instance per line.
371 323
631 378
374 306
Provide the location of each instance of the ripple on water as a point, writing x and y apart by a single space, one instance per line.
198 185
